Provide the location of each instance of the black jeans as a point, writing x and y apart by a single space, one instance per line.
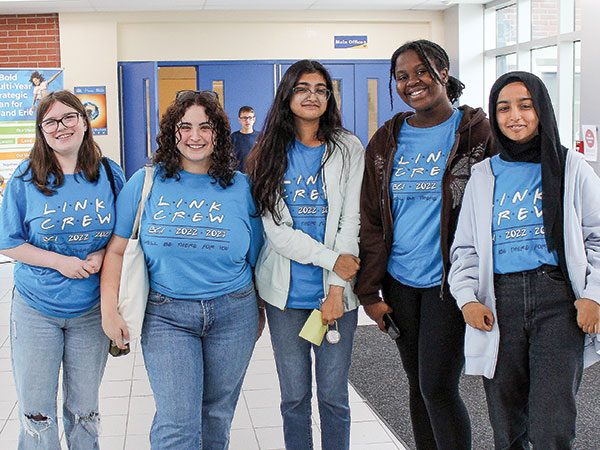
431 348
540 361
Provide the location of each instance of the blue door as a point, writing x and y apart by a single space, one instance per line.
139 113
372 94
343 79
250 84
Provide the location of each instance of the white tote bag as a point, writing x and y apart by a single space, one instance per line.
134 287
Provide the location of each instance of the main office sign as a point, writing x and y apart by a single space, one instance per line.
350 41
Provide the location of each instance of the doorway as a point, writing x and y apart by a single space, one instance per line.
147 88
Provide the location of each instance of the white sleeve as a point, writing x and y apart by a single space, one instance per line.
346 238
295 244
463 276
590 227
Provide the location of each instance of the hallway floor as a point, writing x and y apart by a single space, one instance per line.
127 405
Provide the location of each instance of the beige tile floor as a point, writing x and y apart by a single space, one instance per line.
127 405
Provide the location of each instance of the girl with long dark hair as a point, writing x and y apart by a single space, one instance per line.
201 236
57 216
416 168
306 172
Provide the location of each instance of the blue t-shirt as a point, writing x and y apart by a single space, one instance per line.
307 203
200 240
77 220
518 224
416 194
242 143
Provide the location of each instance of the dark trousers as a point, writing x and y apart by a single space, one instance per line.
540 361
431 349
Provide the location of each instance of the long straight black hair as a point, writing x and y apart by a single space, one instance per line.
267 162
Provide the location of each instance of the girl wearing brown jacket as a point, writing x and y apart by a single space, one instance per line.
416 169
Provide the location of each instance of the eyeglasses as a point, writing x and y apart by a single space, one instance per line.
68 121
187 93
247 117
322 94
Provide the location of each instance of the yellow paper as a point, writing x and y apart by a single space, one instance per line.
313 329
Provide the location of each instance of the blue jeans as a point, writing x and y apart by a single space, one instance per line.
332 364
196 354
39 345
540 361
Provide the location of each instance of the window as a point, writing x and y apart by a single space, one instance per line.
506 63
542 37
543 63
544 18
506 25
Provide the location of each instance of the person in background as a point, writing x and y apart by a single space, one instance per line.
201 237
306 171
244 139
57 216
416 169
526 270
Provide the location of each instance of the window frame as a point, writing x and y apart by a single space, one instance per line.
564 42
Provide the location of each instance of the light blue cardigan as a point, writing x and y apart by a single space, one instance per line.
471 275
342 179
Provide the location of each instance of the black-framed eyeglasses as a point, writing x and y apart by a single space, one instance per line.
68 121
322 94
186 93
247 117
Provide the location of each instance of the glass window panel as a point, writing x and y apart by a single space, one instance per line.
171 80
372 85
544 18
576 90
217 86
506 26
506 63
577 15
337 92
544 64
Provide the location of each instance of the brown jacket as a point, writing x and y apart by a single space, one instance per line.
473 143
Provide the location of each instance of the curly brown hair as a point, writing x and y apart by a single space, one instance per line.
42 162
167 155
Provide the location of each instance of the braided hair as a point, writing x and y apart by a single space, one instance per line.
429 52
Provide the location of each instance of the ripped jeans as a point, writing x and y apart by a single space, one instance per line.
39 345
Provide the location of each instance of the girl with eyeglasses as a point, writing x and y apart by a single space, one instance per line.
201 236
57 215
306 172
525 270
416 168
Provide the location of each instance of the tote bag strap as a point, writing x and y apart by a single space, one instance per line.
148 179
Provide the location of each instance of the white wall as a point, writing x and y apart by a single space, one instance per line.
590 66
463 26
223 35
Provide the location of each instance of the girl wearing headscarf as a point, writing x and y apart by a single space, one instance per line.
526 270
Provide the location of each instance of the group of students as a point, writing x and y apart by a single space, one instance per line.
315 223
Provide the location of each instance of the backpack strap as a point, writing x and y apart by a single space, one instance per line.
110 175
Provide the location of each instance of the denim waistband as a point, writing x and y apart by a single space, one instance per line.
544 268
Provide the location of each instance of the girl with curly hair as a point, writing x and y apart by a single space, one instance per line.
306 172
201 236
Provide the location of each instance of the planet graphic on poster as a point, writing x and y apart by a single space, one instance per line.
92 110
